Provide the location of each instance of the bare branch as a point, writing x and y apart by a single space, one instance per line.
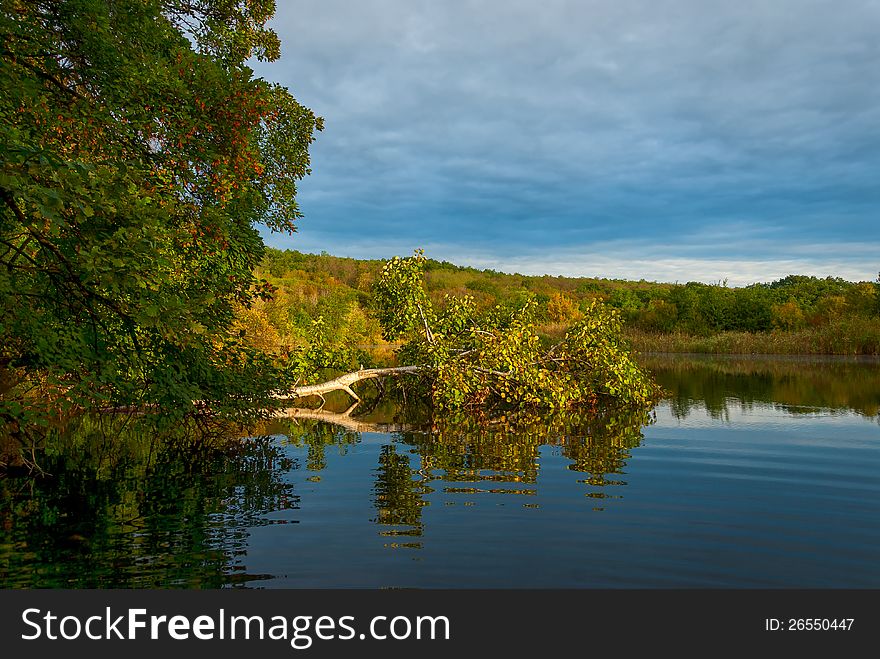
428 335
344 382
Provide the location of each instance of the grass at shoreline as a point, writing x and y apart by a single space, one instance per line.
850 336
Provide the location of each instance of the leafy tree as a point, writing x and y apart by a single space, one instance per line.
788 316
137 154
561 308
877 295
829 308
862 298
752 310
808 292
627 301
686 300
495 360
660 316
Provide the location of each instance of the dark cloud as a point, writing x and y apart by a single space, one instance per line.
530 133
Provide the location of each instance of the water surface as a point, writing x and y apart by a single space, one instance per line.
753 473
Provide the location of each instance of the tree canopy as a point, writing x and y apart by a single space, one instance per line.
138 154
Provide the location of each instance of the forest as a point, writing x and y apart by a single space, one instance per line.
798 314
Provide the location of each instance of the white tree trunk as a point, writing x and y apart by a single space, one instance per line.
344 382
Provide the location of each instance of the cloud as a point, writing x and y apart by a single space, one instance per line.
724 134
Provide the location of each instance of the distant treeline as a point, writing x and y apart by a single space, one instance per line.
338 291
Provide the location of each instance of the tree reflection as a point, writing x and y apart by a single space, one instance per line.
468 455
123 507
132 509
398 494
794 385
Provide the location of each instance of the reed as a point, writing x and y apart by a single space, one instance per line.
847 336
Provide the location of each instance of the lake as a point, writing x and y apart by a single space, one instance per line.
759 473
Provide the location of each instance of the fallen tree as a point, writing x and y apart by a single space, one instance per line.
494 360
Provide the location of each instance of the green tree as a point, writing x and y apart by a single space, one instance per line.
659 316
138 153
627 301
752 310
788 316
877 295
495 360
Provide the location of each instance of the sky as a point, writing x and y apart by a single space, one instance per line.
666 140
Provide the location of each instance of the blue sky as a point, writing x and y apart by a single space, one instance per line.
670 140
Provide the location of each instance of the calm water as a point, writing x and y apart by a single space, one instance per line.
753 474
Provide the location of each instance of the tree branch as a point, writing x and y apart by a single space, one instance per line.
428 335
45 75
344 382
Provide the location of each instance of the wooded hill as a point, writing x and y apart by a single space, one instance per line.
795 314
